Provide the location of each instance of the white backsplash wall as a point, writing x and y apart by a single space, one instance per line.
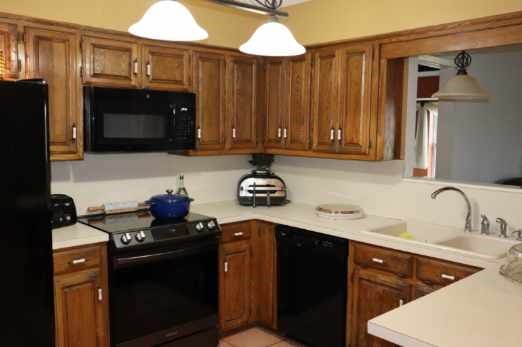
123 177
380 189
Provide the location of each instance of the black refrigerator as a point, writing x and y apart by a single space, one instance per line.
25 227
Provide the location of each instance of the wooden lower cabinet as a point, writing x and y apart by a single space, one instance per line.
235 285
81 297
382 279
247 289
373 294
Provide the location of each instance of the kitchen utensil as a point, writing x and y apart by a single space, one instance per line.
118 207
339 211
169 206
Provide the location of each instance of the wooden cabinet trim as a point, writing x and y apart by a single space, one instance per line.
9 49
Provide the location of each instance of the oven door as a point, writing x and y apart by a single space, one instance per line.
164 294
138 120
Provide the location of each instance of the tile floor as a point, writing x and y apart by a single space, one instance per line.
257 337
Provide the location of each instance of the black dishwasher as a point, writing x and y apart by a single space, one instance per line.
312 287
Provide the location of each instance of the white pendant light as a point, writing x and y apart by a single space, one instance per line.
462 87
273 39
168 20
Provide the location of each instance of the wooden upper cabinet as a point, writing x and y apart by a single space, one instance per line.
275 100
235 285
9 63
110 61
297 124
373 294
209 85
80 313
242 74
166 68
54 56
324 100
355 97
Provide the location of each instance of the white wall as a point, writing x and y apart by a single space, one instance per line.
123 177
380 189
482 142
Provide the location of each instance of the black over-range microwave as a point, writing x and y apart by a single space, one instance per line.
134 120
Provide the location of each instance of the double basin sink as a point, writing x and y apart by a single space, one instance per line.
487 247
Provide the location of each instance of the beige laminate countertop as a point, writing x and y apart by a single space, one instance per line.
483 310
77 235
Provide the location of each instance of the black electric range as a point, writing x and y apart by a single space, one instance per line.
163 279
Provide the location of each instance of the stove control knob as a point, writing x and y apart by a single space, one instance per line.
126 238
141 236
200 226
211 225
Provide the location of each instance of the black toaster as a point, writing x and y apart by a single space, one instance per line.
63 211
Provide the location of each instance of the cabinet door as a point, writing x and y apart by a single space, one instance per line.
324 100
54 56
264 275
81 319
373 294
353 133
9 64
275 95
209 80
242 90
111 62
167 68
297 123
235 285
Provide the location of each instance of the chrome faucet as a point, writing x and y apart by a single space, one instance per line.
434 195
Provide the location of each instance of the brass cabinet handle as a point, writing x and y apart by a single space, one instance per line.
332 134
238 234
285 133
149 70
278 133
199 133
78 261
136 66
448 277
339 134
74 132
234 133
378 260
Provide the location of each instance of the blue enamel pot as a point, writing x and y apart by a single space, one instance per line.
169 206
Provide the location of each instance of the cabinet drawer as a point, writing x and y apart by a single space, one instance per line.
235 232
387 260
76 259
441 273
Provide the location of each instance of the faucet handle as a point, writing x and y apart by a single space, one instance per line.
484 225
503 227
519 234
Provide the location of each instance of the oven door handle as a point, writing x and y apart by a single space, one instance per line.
123 262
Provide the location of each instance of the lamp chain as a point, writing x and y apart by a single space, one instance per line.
270 4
